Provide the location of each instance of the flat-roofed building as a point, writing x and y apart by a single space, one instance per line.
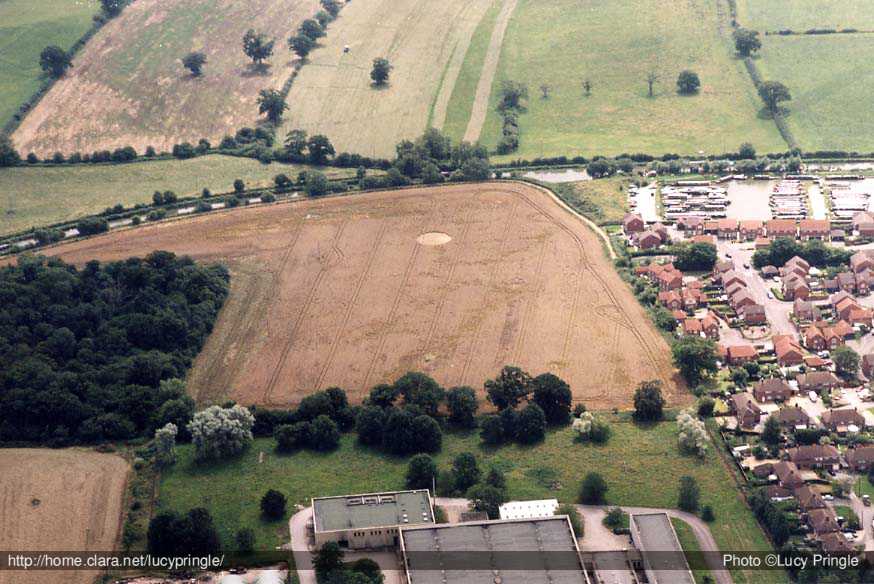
528 509
369 521
525 551
653 532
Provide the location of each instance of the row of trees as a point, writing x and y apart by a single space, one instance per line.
813 251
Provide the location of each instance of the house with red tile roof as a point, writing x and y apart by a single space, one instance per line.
740 354
788 475
753 314
750 230
670 299
781 228
788 351
813 229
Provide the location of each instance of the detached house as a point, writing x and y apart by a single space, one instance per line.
788 351
753 314
868 365
747 412
861 261
740 354
771 390
633 223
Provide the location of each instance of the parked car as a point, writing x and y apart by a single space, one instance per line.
828 498
746 266
813 396
866 500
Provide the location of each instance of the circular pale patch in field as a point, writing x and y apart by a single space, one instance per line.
433 238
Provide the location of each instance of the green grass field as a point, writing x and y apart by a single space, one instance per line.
831 81
615 45
461 102
642 466
800 15
26 28
35 196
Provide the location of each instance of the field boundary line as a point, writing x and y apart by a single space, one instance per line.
480 109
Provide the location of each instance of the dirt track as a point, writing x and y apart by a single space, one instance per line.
425 42
64 500
339 292
487 77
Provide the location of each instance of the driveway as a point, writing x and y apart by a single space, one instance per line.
777 311
699 528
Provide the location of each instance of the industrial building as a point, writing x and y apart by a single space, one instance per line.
369 521
529 551
653 532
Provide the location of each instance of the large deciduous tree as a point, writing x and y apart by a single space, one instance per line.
257 46
272 104
54 60
380 72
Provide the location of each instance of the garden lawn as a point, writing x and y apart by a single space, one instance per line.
801 15
831 82
26 28
615 45
39 196
641 465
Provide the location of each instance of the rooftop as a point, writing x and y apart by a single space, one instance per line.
535 551
372 510
657 534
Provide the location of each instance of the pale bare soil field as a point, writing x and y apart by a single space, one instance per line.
128 86
61 500
425 42
455 281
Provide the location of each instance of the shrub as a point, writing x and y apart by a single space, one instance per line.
593 489
421 472
273 505
245 539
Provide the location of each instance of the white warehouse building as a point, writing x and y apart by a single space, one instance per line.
528 509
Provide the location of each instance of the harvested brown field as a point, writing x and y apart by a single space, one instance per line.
455 281
62 500
426 43
128 86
